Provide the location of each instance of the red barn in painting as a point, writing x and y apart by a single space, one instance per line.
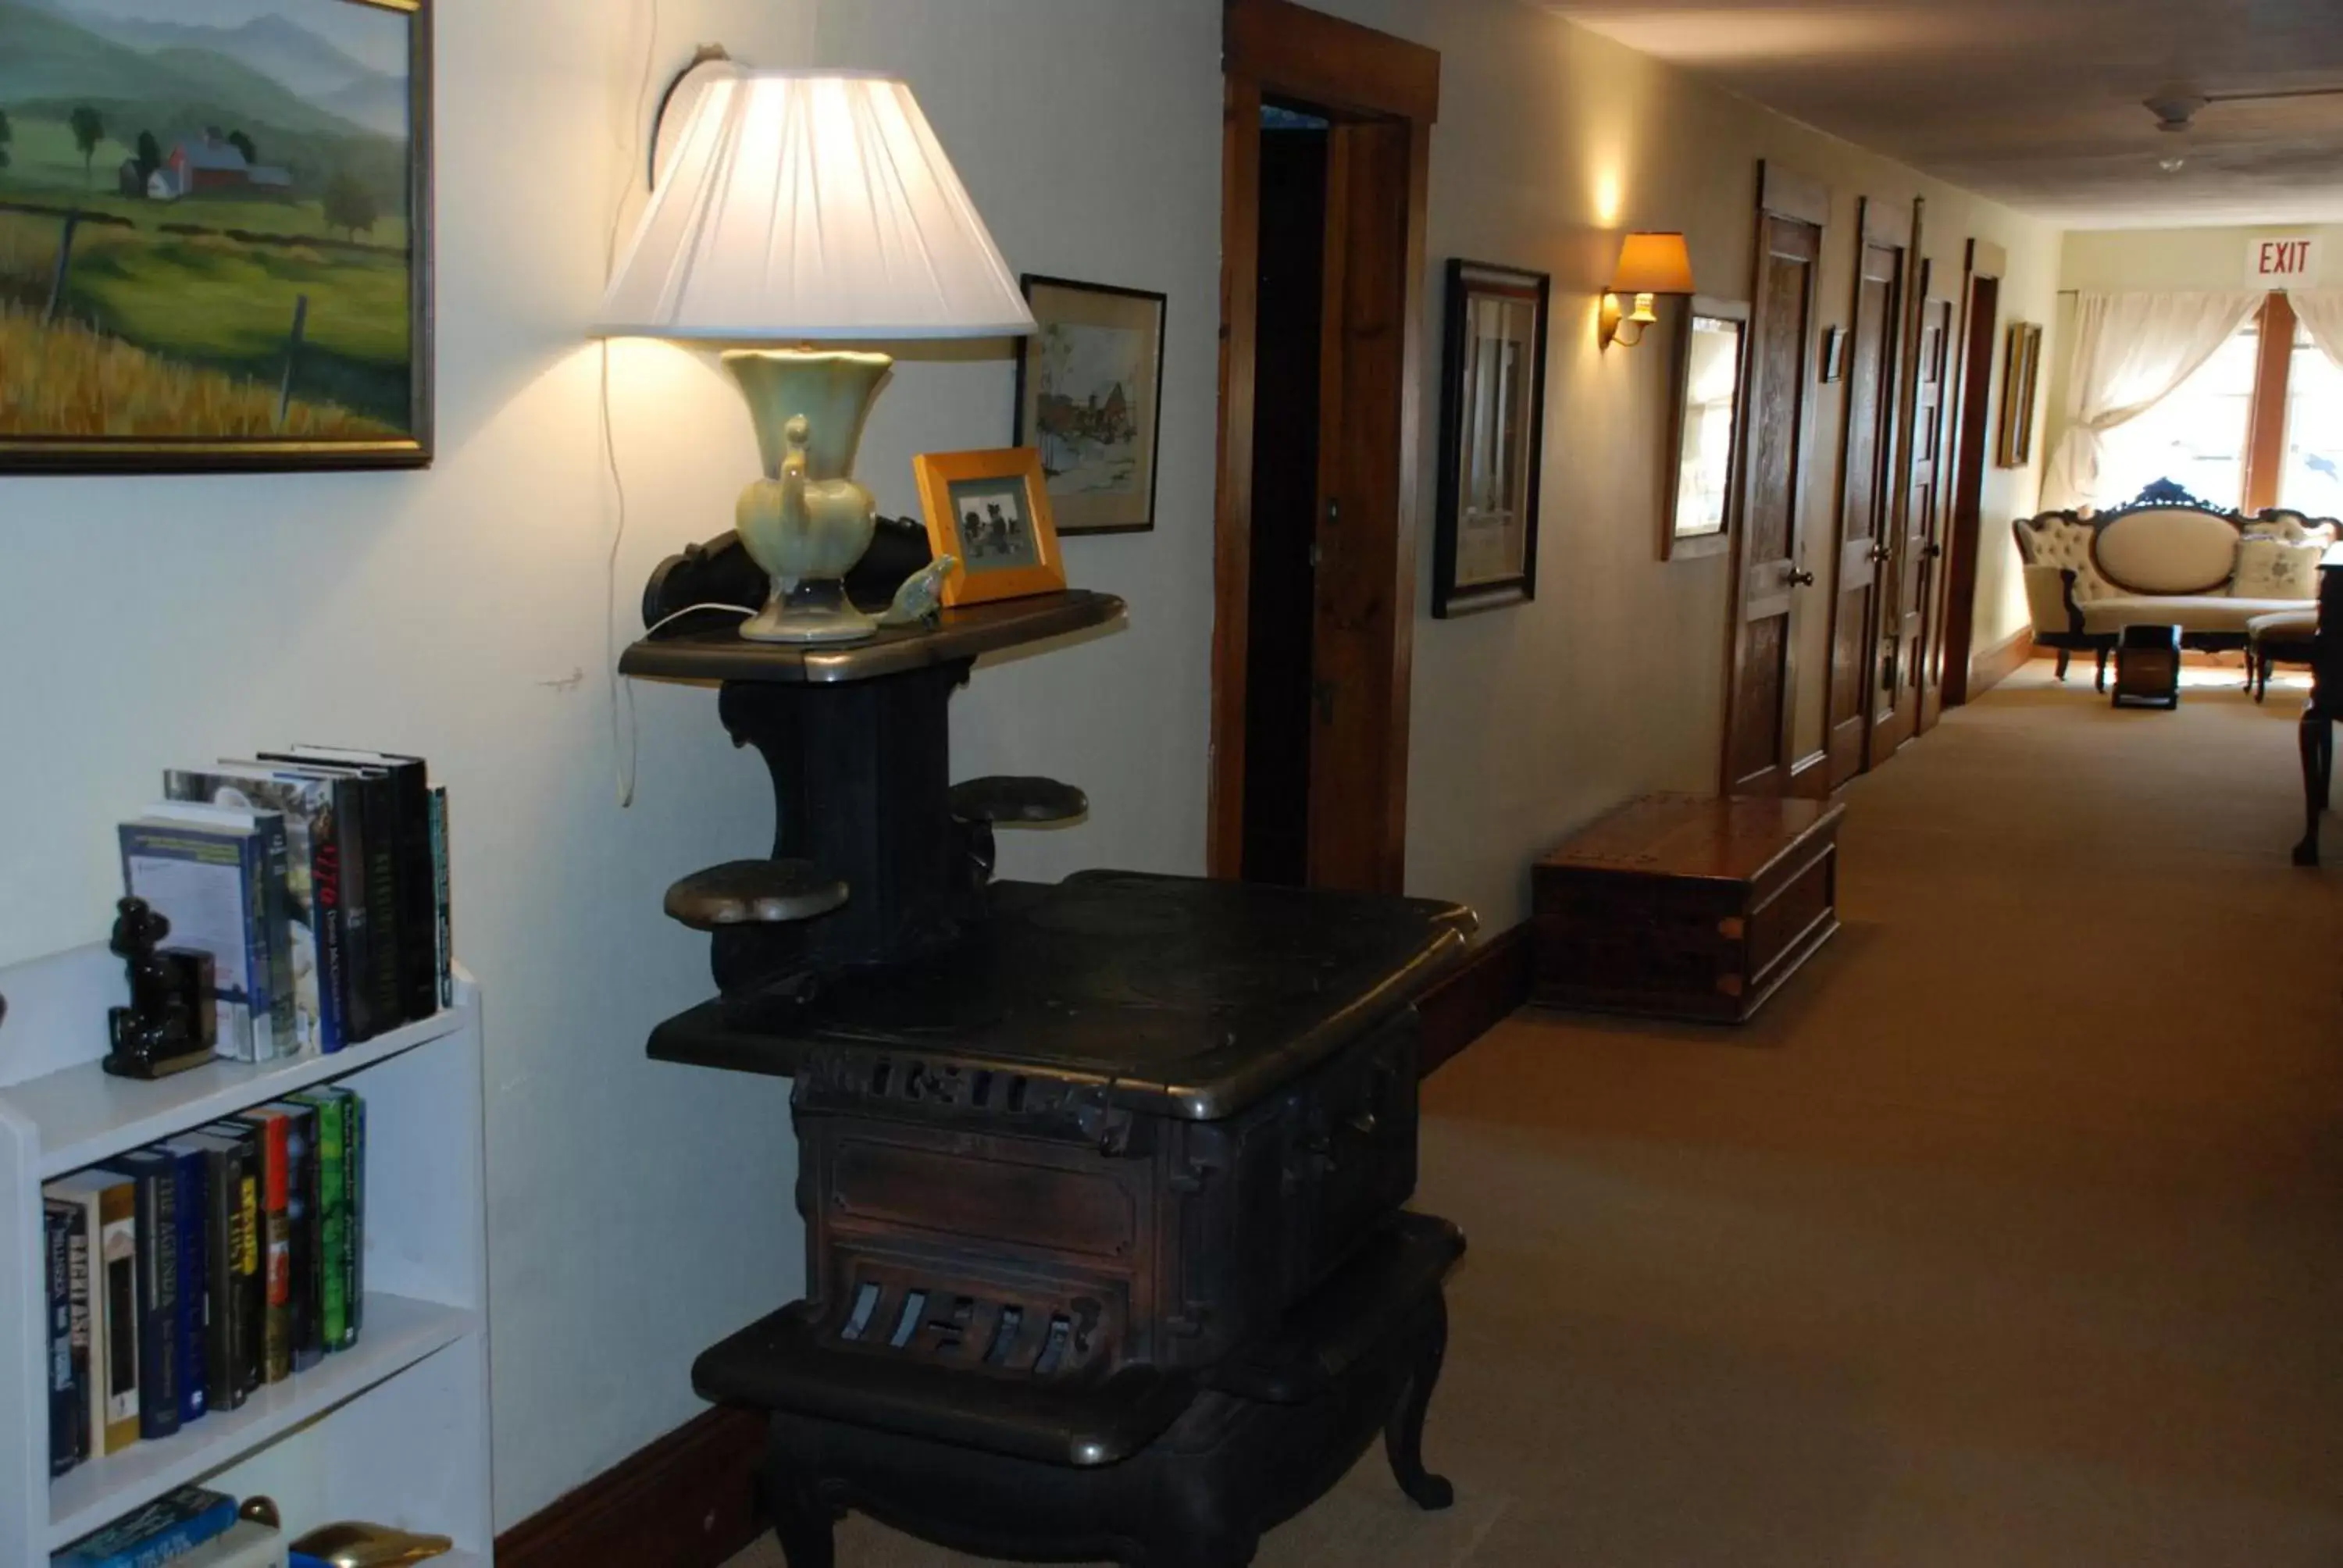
213 164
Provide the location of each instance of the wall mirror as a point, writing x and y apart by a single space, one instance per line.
1710 360
2021 378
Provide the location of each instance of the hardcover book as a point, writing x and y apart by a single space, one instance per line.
248 1545
81 1216
417 899
333 1208
274 903
379 859
157 1307
241 1144
441 902
231 1265
311 805
57 1218
109 1204
165 1531
273 1132
194 1278
210 882
305 1221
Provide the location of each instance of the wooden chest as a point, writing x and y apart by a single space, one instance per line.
1681 906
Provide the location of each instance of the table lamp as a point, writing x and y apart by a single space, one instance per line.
801 207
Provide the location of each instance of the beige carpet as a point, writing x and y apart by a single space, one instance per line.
2013 1235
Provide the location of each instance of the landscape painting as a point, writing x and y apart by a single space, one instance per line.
214 233
1089 396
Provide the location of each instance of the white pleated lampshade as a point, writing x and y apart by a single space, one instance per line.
803 206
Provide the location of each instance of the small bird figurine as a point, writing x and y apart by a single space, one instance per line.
922 597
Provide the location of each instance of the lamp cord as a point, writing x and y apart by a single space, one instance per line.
625 736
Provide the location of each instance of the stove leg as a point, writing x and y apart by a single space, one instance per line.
802 1520
1403 1434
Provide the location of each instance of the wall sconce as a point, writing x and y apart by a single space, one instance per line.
1649 265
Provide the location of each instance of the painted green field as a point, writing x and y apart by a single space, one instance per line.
45 167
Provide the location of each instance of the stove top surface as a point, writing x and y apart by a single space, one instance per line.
1188 997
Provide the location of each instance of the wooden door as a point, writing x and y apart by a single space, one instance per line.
1762 687
1381 94
1866 488
1911 596
1950 627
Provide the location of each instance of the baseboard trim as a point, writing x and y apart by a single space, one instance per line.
1810 777
688 1500
1492 984
1999 662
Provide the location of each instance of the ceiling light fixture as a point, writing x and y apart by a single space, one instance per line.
2176 107
2171 165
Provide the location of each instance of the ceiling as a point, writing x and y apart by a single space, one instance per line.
2037 102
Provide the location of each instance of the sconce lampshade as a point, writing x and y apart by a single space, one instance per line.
1654 264
810 207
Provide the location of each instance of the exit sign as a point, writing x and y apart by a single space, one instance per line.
2278 263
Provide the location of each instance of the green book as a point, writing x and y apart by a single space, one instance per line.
333 1273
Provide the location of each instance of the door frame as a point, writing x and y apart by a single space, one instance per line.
1965 524
1801 199
1276 49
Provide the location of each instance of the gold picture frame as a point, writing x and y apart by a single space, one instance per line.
991 511
2020 388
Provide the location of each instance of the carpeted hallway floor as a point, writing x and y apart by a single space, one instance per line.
2012 1235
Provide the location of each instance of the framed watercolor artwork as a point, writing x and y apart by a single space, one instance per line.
1090 399
993 511
1492 439
214 234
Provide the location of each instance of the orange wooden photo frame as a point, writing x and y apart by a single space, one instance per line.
952 484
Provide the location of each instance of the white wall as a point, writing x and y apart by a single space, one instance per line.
639 1211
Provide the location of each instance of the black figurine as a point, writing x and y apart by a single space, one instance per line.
164 1029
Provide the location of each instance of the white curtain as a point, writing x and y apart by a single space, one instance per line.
2321 311
2130 351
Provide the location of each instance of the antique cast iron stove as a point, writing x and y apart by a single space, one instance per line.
1103 1181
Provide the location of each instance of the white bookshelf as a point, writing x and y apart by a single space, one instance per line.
394 1429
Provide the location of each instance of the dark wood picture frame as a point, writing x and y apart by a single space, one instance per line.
1070 507
1469 280
76 453
2020 388
1675 547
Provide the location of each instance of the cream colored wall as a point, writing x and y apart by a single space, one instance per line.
2115 261
1553 141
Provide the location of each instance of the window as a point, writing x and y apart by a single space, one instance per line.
2196 436
2312 479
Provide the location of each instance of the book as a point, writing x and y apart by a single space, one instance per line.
333 1273
379 858
111 1204
189 1170
417 899
234 1287
165 1531
305 1221
156 1306
210 881
248 1543
357 1181
57 1321
274 903
79 1217
273 1131
439 886
312 805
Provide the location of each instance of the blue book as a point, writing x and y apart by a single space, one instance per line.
57 1218
158 1307
169 1527
210 882
194 1277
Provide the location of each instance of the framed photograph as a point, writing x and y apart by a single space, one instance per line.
991 510
1834 353
1090 399
1491 437
1711 366
215 235
2020 386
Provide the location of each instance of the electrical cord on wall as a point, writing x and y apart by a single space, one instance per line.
624 740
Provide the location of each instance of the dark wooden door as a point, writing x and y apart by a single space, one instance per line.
1762 689
1911 597
1866 488
1950 629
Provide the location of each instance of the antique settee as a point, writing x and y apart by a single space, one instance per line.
2167 560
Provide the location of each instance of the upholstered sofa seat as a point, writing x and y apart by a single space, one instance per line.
2166 559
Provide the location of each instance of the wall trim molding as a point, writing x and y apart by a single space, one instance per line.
1489 987
1999 662
688 1499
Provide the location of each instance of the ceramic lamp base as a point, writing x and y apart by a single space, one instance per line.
815 613
807 522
